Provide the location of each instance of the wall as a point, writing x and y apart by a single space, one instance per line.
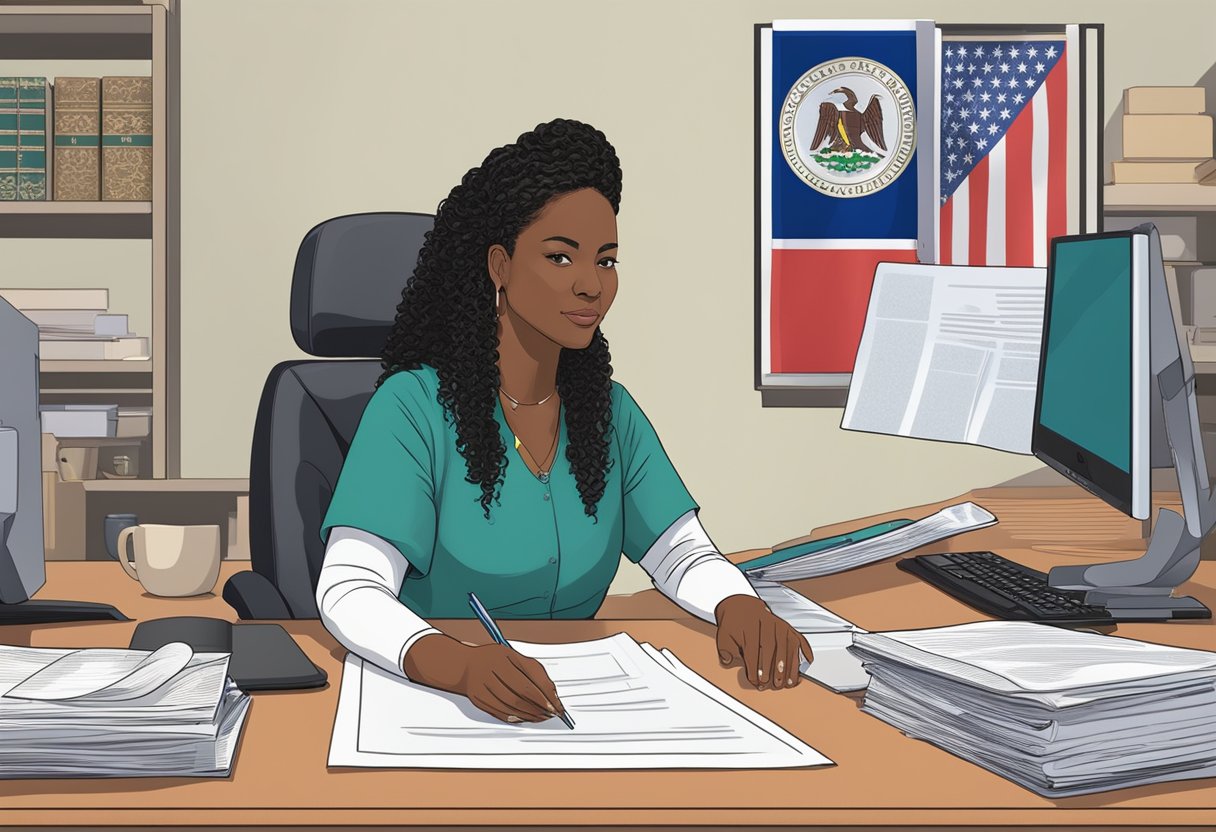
294 112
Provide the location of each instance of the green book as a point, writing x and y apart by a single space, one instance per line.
821 545
32 95
8 139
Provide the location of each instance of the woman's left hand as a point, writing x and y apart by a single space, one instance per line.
768 647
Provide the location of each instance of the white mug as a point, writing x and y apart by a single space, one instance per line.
173 561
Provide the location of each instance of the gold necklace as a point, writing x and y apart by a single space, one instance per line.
515 403
543 473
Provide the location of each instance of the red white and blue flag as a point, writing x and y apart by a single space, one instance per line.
846 140
1004 138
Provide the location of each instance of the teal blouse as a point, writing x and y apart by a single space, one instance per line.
538 555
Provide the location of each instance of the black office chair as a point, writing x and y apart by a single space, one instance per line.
345 289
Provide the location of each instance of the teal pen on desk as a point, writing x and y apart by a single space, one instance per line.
496 634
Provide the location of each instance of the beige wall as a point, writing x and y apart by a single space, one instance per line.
294 112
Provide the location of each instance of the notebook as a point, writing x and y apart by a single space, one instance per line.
264 656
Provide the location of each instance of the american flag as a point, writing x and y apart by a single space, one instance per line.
1004 151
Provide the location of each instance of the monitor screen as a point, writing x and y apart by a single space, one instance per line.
1087 398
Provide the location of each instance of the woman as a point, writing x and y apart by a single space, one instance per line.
498 457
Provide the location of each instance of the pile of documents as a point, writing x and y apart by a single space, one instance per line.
117 713
948 522
1059 712
633 706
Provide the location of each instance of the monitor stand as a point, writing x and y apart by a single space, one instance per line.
1146 584
49 612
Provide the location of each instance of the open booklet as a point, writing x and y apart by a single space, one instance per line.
950 353
633 707
100 712
850 554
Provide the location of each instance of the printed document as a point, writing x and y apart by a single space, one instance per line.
950 353
633 707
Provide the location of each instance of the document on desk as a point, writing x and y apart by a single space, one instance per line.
950 353
633 707
100 712
829 635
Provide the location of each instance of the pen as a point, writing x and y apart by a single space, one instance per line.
497 635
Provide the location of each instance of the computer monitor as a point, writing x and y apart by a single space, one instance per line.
22 558
22 570
1115 398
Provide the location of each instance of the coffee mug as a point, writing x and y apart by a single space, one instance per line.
115 523
173 561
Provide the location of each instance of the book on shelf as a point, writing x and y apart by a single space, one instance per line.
76 124
1140 172
126 137
1164 100
93 349
8 139
25 168
79 420
1161 136
65 324
33 166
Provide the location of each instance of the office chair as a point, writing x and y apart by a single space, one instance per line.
345 288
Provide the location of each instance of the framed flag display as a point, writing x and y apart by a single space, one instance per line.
884 140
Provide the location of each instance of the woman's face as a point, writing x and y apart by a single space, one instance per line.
562 278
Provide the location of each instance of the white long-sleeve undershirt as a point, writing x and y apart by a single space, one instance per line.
357 591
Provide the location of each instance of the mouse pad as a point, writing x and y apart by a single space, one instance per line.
264 656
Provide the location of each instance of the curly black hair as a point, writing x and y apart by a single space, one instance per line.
447 316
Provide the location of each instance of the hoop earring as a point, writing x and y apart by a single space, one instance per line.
498 303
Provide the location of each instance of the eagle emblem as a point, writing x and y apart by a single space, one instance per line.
834 145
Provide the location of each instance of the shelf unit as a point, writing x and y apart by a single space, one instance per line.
1175 200
144 30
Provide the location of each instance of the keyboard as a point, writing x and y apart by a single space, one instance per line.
1004 589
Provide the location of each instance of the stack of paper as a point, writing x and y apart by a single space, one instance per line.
633 707
117 713
1059 712
948 522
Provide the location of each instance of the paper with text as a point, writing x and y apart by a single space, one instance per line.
950 353
632 708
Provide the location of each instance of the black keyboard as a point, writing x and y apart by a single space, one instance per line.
1004 589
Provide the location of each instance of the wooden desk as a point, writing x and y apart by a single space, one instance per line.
882 779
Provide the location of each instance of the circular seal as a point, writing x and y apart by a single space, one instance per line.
848 127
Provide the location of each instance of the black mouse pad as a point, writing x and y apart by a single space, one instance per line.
264 656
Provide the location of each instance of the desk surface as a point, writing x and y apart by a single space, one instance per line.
882 779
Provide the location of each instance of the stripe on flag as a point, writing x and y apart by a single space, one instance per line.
1004 151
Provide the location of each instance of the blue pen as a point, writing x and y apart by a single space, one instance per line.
497 635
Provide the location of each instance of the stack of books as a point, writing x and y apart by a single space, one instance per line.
117 713
1167 137
76 325
1059 712
76 139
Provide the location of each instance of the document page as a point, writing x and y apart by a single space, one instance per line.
950 353
630 708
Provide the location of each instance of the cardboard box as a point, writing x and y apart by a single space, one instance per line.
1179 234
1163 100
238 530
50 453
1167 137
1132 172
1203 297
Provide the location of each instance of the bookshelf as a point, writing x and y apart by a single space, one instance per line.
1178 199
115 30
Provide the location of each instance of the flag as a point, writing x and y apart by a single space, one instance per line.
1008 106
845 181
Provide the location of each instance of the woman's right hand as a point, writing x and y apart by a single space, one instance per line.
498 680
